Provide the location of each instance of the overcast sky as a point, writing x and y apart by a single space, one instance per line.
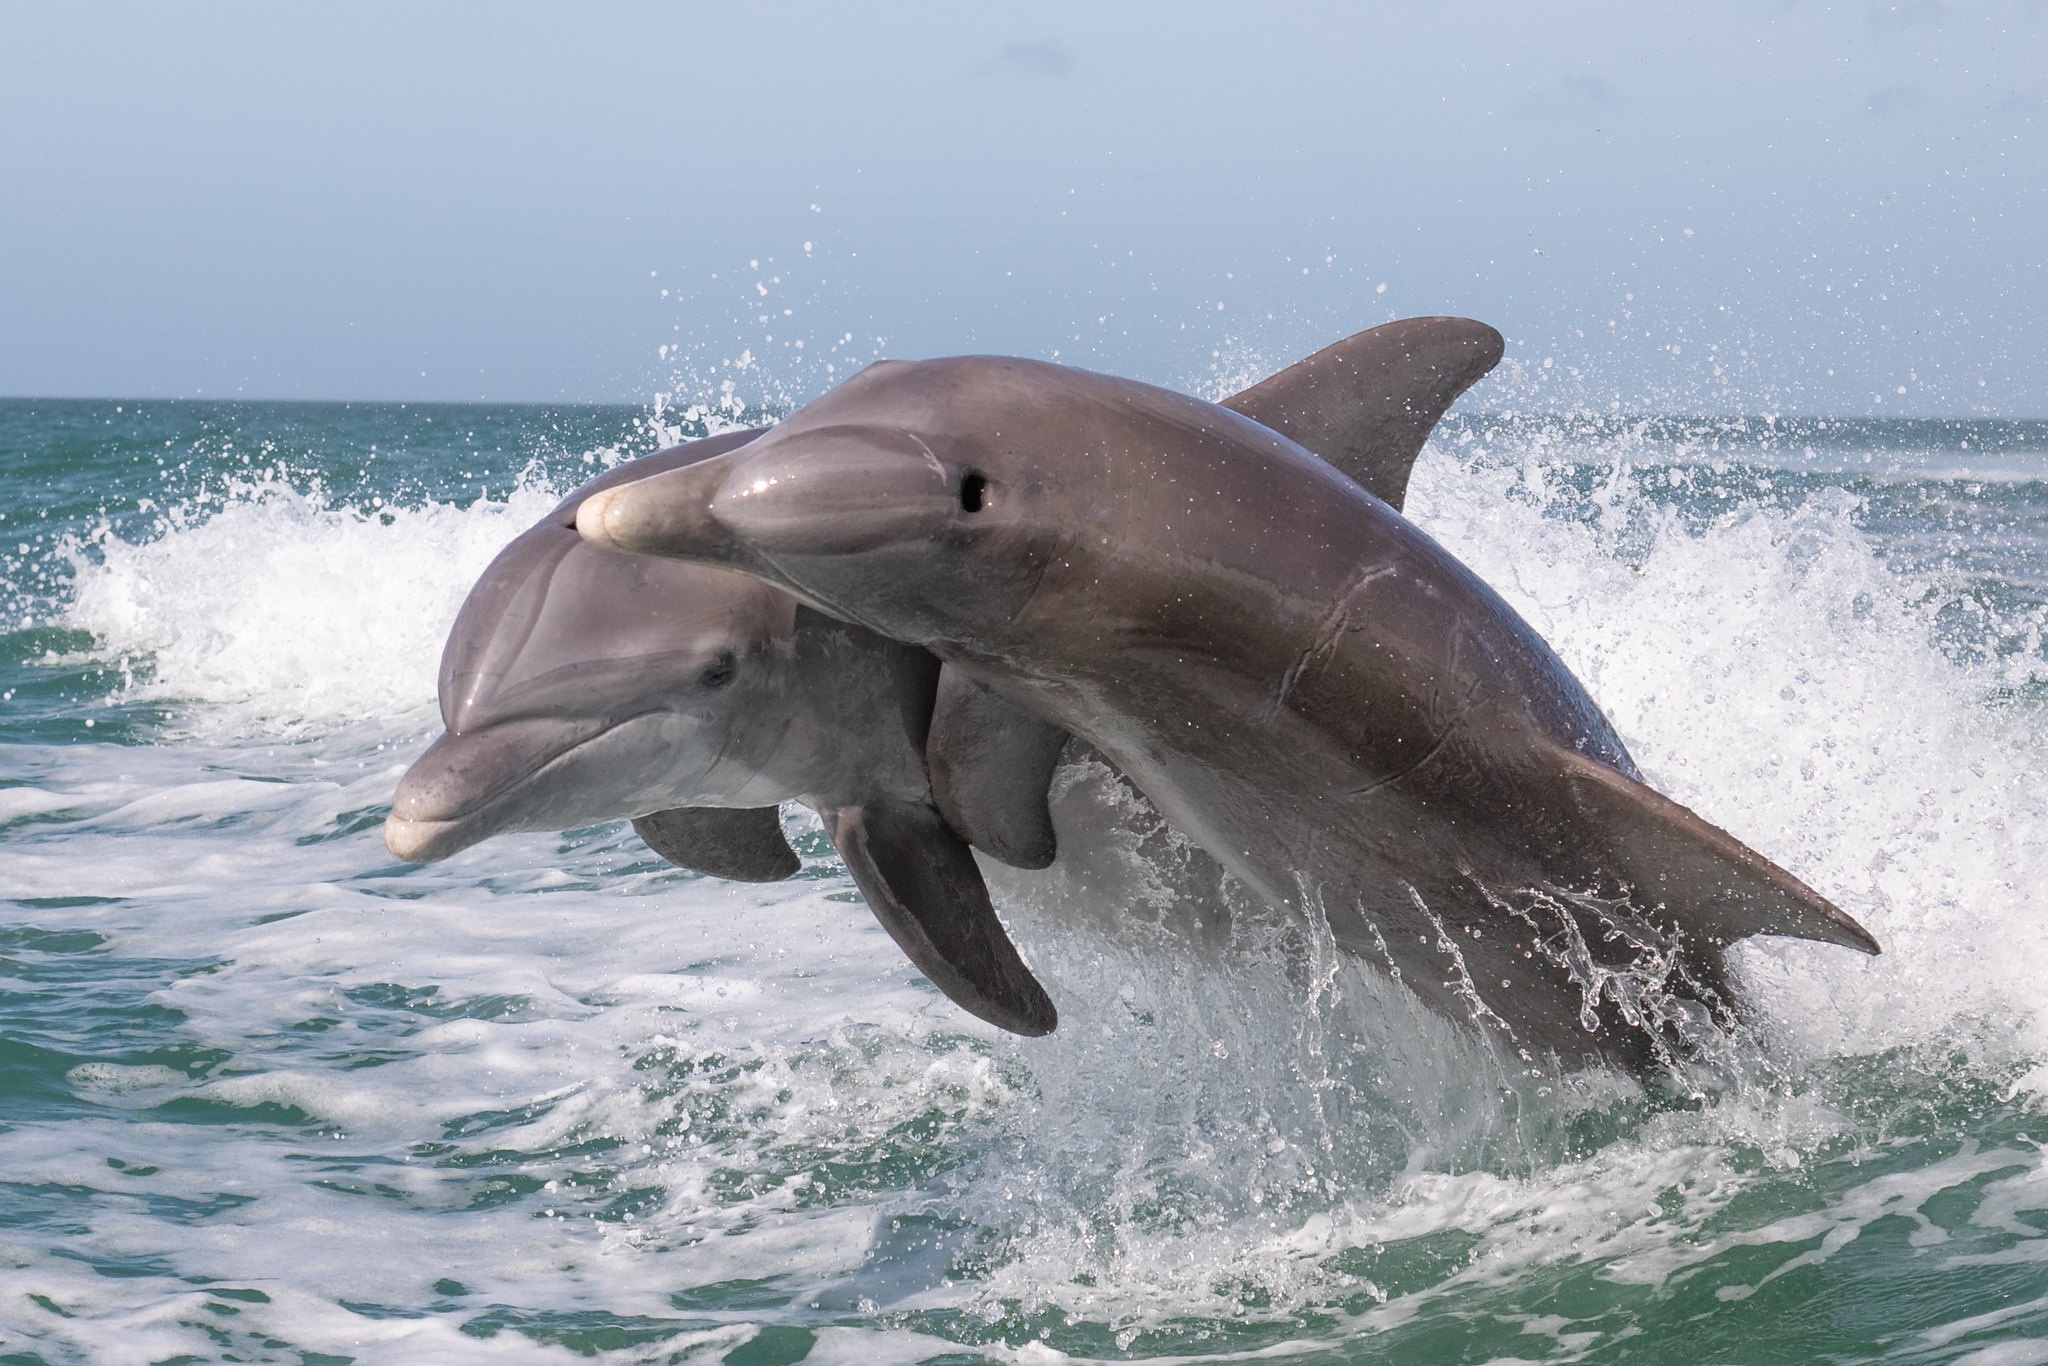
1783 206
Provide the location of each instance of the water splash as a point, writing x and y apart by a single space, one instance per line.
289 607
758 1122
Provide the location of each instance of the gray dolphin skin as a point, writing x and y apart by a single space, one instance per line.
1365 405
580 685
1302 681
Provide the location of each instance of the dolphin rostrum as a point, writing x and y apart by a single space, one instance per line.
1301 680
580 685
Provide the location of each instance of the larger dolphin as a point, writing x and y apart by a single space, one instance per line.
580 685
1300 679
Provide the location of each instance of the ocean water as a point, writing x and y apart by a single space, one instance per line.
266 1095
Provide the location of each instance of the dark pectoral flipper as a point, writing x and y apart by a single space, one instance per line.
990 762
1711 885
922 884
1368 403
746 845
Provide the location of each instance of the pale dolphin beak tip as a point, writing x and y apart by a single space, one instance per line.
417 841
593 521
637 520
671 514
401 838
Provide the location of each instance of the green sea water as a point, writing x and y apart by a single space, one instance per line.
266 1095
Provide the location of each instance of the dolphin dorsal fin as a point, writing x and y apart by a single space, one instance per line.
991 763
746 845
1368 403
1711 885
921 882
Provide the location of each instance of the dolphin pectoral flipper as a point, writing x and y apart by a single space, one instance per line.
991 762
1368 403
921 882
1713 885
743 844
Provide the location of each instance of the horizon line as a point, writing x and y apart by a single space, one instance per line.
1504 410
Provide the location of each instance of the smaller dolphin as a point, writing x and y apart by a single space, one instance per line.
581 685
1302 681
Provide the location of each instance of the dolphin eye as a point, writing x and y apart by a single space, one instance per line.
973 488
719 671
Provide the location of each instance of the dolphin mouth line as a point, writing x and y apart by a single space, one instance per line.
469 822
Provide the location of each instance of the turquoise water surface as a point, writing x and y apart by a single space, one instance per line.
266 1095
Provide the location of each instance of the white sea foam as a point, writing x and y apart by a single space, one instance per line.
21 803
1770 672
281 607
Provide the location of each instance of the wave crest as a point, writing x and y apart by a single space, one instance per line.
284 608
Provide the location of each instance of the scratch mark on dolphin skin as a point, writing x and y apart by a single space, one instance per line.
938 466
1436 746
1473 701
1322 644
